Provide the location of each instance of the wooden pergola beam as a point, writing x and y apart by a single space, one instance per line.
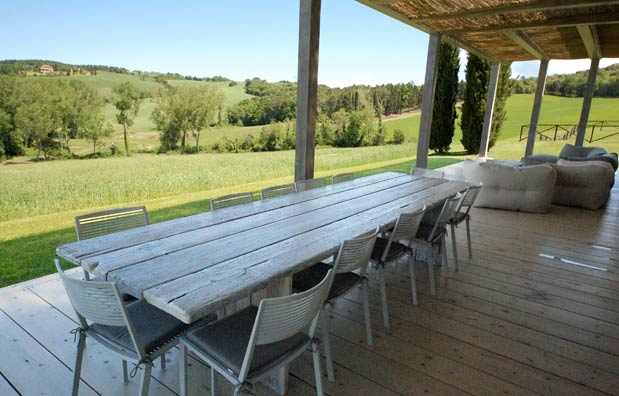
586 101
486 131
533 6
427 101
307 88
589 36
605 18
525 42
537 106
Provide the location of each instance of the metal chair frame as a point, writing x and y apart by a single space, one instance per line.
231 200
462 214
96 224
277 319
353 255
278 191
102 303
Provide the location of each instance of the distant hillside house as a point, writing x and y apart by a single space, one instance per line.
46 69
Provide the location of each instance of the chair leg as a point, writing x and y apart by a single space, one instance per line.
182 369
81 345
454 246
366 312
468 237
411 266
125 372
431 277
317 372
163 363
326 339
213 382
445 263
383 296
145 383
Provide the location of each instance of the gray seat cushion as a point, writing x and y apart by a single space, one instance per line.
583 184
310 277
574 153
153 328
226 342
539 159
396 250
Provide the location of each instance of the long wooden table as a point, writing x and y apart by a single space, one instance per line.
192 266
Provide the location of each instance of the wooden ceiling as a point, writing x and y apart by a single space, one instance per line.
516 30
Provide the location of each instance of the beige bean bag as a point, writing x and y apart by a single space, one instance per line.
583 184
520 188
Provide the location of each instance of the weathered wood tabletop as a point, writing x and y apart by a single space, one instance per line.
192 266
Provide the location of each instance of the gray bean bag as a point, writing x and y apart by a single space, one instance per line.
520 188
575 153
584 184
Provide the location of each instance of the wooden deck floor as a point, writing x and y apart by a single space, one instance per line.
535 312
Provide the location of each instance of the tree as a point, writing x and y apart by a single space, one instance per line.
504 90
444 114
186 110
94 128
473 107
127 102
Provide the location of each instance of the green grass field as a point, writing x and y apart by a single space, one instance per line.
38 201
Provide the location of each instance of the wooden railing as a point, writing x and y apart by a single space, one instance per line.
554 132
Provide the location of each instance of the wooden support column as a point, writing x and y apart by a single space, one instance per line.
537 105
586 102
490 99
307 88
427 101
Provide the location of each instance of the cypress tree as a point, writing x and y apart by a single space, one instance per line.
503 91
444 113
473 107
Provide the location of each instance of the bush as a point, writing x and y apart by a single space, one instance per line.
398 137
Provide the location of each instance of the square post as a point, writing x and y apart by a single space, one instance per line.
537 105
490 100
586 101
307 88
427 100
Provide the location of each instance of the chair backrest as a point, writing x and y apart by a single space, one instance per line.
304 185
468 199
355 253
97 302
342 177
277 191
405 228
424 172
108 221
448 211
231 200
280 318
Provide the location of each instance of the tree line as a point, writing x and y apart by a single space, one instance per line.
573 85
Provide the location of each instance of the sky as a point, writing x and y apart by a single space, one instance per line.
238 39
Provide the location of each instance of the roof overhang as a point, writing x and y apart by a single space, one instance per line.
515 30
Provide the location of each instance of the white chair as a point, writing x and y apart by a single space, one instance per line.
350 267
432 235
96 224
277 191
394 245
309 184
231 200
343 177
137 331
462 214
253 343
